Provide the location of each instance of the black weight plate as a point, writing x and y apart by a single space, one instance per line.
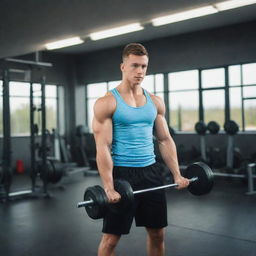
213 127
96 210
57 171
231 127
102 201
200 128
205 176
124 188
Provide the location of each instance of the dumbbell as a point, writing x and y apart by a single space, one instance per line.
96 202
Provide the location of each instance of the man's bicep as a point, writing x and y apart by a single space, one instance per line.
161 127
102 126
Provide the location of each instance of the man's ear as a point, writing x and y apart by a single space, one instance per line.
122 66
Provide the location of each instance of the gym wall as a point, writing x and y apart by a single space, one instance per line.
203 49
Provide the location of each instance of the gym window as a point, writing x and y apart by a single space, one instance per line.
94 91
20 107
242 93
183 99
213 95
154 84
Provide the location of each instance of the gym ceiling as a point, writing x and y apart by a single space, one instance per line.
27 25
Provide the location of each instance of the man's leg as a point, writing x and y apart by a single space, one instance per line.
108 244
155 242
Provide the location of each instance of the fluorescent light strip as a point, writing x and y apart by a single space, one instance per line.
184 15
116 31
64 43
226 5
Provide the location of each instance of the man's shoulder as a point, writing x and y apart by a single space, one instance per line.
106 103
156 99
107 98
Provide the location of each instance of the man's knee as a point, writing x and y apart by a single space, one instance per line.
109 241
156 235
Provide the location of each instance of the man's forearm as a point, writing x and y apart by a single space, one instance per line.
105 166
168 152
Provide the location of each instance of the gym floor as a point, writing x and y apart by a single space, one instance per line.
221 223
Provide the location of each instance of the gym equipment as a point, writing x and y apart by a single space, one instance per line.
249 176
95 200
86 149
6 163
201 128
231 128
7 152
65 157
53 172
216 157
213 127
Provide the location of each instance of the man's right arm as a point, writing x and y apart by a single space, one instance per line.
102 129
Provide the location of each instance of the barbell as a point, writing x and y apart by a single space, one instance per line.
96 202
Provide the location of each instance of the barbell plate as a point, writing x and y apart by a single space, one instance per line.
97 210
124 188
58 171
205 176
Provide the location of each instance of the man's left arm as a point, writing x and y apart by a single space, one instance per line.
166 144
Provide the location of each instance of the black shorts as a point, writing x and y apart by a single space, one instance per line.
149 209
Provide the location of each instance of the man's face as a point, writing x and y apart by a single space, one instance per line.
134 68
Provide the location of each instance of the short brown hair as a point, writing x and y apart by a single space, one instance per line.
134 48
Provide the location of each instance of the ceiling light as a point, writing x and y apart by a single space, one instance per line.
64 43
116 31
226 5
176 17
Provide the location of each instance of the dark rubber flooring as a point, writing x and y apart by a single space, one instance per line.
221 223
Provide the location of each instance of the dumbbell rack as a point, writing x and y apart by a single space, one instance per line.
250 176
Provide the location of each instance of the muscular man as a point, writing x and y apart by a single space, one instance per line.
123 130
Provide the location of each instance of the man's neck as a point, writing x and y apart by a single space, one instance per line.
126 87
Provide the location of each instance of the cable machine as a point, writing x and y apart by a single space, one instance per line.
39 168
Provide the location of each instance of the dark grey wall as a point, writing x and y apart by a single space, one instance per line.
216 47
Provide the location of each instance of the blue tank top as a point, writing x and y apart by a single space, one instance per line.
132 144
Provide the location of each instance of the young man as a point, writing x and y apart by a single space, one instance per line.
123 129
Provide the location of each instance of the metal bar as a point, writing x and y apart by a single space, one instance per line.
230 151
14 70
166 99
201 108
250 168
227 98
232 175
161 187
20 193
43 130
249 98
203 147
30 62
6 121
32 138
242 96
82 204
